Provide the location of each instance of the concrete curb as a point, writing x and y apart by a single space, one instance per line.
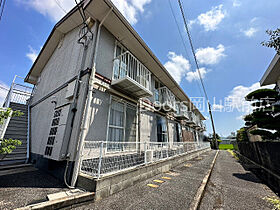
62 202
199 194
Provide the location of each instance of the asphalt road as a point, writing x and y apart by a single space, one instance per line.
175 193
23 186
232 187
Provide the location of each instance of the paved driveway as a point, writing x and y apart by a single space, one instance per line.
233 187
176 192
22 186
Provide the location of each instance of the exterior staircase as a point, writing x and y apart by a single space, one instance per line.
17 129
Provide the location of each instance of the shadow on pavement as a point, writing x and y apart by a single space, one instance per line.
247 176
34 179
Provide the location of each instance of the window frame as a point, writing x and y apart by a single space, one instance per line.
125 105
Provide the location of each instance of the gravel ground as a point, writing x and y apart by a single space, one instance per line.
23 186
232 187
176 193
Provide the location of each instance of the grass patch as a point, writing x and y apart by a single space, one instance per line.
274 201
226 146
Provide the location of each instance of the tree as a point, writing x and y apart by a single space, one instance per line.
274 41
8 145
242 135
266 113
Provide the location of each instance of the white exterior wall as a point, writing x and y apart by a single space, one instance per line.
63 65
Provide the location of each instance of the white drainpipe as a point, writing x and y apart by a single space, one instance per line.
86 119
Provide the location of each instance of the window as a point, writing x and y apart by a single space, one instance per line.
122 122
161 129
178 132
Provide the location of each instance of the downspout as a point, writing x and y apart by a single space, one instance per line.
28 132
86 120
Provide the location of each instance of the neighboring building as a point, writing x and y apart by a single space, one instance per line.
272 74
103 83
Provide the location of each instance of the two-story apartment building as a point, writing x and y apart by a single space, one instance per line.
100 82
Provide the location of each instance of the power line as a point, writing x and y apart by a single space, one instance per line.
4 88
192 48
64 10
2 10
184 44
60 6
198 69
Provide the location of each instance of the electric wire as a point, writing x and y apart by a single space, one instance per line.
184 44
200 77
65 11
192 48
3 88
2 10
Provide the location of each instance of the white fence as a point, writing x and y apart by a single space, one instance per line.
100 158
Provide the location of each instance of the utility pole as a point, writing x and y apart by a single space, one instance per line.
200 77
214 140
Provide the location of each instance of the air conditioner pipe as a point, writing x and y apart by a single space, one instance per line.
85 123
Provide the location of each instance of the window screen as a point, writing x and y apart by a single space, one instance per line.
122 122
161 129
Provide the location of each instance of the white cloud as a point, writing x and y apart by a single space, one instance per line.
250 32
177 66
236 99
3 92
195 75
210 55
131 8
211 19
139 4
32 54
236 3
217 107
52 9
241 117
56 9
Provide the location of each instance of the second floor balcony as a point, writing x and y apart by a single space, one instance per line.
181 111
131 76
165 99
191 120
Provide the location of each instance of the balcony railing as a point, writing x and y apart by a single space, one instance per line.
181 111
165 99
191 120
18 93
131 76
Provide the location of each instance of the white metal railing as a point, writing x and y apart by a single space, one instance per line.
18 93
127 65
181 110
101 158
165 97
191 117
4 125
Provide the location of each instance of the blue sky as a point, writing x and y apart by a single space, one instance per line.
226 36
